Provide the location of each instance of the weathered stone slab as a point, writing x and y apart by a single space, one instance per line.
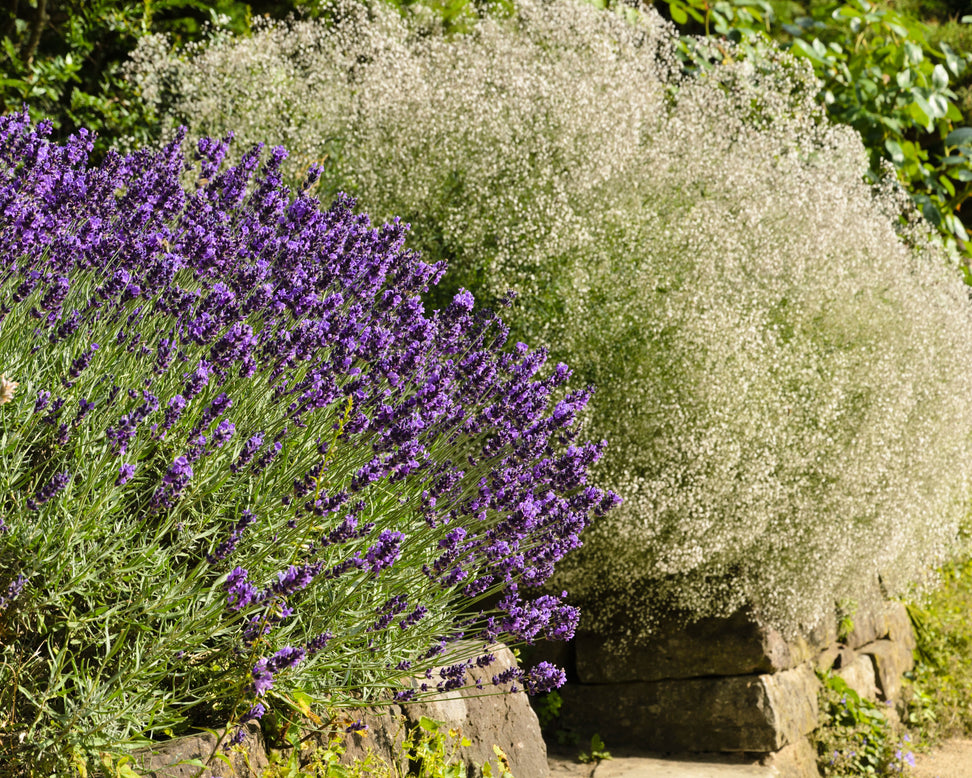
797 760
383 737
488 719
680 767
826 659
892 659
381 740
728 646
900 628
759 713
880 621
169 759
858 673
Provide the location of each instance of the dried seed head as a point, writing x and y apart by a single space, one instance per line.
7 388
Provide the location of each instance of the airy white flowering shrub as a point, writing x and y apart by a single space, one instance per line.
782 378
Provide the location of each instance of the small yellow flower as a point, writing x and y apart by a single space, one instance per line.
7 389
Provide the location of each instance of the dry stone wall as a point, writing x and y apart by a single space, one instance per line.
719 685
729 685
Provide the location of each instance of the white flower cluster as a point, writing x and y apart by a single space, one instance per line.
784 382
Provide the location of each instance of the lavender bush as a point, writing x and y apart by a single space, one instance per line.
241 460
783 357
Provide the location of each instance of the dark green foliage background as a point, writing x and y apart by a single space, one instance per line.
63 58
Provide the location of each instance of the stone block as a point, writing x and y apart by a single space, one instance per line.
892 659
489 719
383 737
858 672
381 740
826 659
171 758
557 652
759 713
726 646
900 628
797 760
880 620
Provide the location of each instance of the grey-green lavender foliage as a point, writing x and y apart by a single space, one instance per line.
783 362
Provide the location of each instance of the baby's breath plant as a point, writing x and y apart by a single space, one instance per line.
241 461
783 356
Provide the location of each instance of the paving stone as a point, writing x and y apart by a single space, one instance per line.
668 767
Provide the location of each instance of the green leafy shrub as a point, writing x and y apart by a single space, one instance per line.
855 736
882 77
941 693
63 58
888 75
781 360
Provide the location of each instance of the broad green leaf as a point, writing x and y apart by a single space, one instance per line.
939 77
678 13
954 63
920 111
800 46
963 174
897 29
955 226
939 106
429 725
895 150
913 52
903 78
961 136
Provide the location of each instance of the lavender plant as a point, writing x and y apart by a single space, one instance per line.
241 459
781 351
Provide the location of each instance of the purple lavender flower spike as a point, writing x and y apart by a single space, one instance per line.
542 678
125 473
223 432
81 363
227 547
254 713
318 643
385 552
43 400
249 449
49 490
239 591
262 677
14 590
